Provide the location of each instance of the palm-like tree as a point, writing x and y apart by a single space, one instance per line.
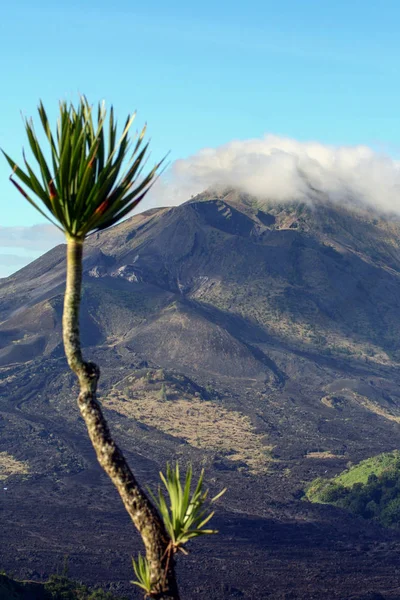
93 181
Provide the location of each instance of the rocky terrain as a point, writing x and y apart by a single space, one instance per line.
255 339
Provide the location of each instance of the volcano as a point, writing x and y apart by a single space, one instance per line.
257 339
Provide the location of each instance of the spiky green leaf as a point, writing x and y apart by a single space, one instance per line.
86 188
185 513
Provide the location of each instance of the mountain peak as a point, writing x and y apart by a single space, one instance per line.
248 335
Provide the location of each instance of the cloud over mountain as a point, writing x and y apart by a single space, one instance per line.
284 169
272 167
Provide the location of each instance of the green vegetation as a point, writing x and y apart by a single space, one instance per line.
184 514
370 489
141 568
375 465
58 587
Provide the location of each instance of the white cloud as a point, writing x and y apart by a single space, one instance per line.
26 243
37 237
272 167
284 169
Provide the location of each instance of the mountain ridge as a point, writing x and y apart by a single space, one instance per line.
271 330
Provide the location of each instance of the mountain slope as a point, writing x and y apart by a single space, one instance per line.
257 339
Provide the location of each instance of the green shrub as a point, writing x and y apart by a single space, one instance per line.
60 587
370 489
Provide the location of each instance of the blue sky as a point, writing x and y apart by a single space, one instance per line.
203 75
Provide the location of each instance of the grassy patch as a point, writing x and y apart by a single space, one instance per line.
201 423
335 402
322 455
376 408
375 465
11 466
370 489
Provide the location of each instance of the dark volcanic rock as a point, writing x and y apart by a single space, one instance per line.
258 340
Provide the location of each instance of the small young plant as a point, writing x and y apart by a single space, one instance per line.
184 514
142 572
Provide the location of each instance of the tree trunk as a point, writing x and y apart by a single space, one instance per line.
142 512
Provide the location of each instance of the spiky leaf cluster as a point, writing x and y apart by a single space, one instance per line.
141 568
94 179
185 514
